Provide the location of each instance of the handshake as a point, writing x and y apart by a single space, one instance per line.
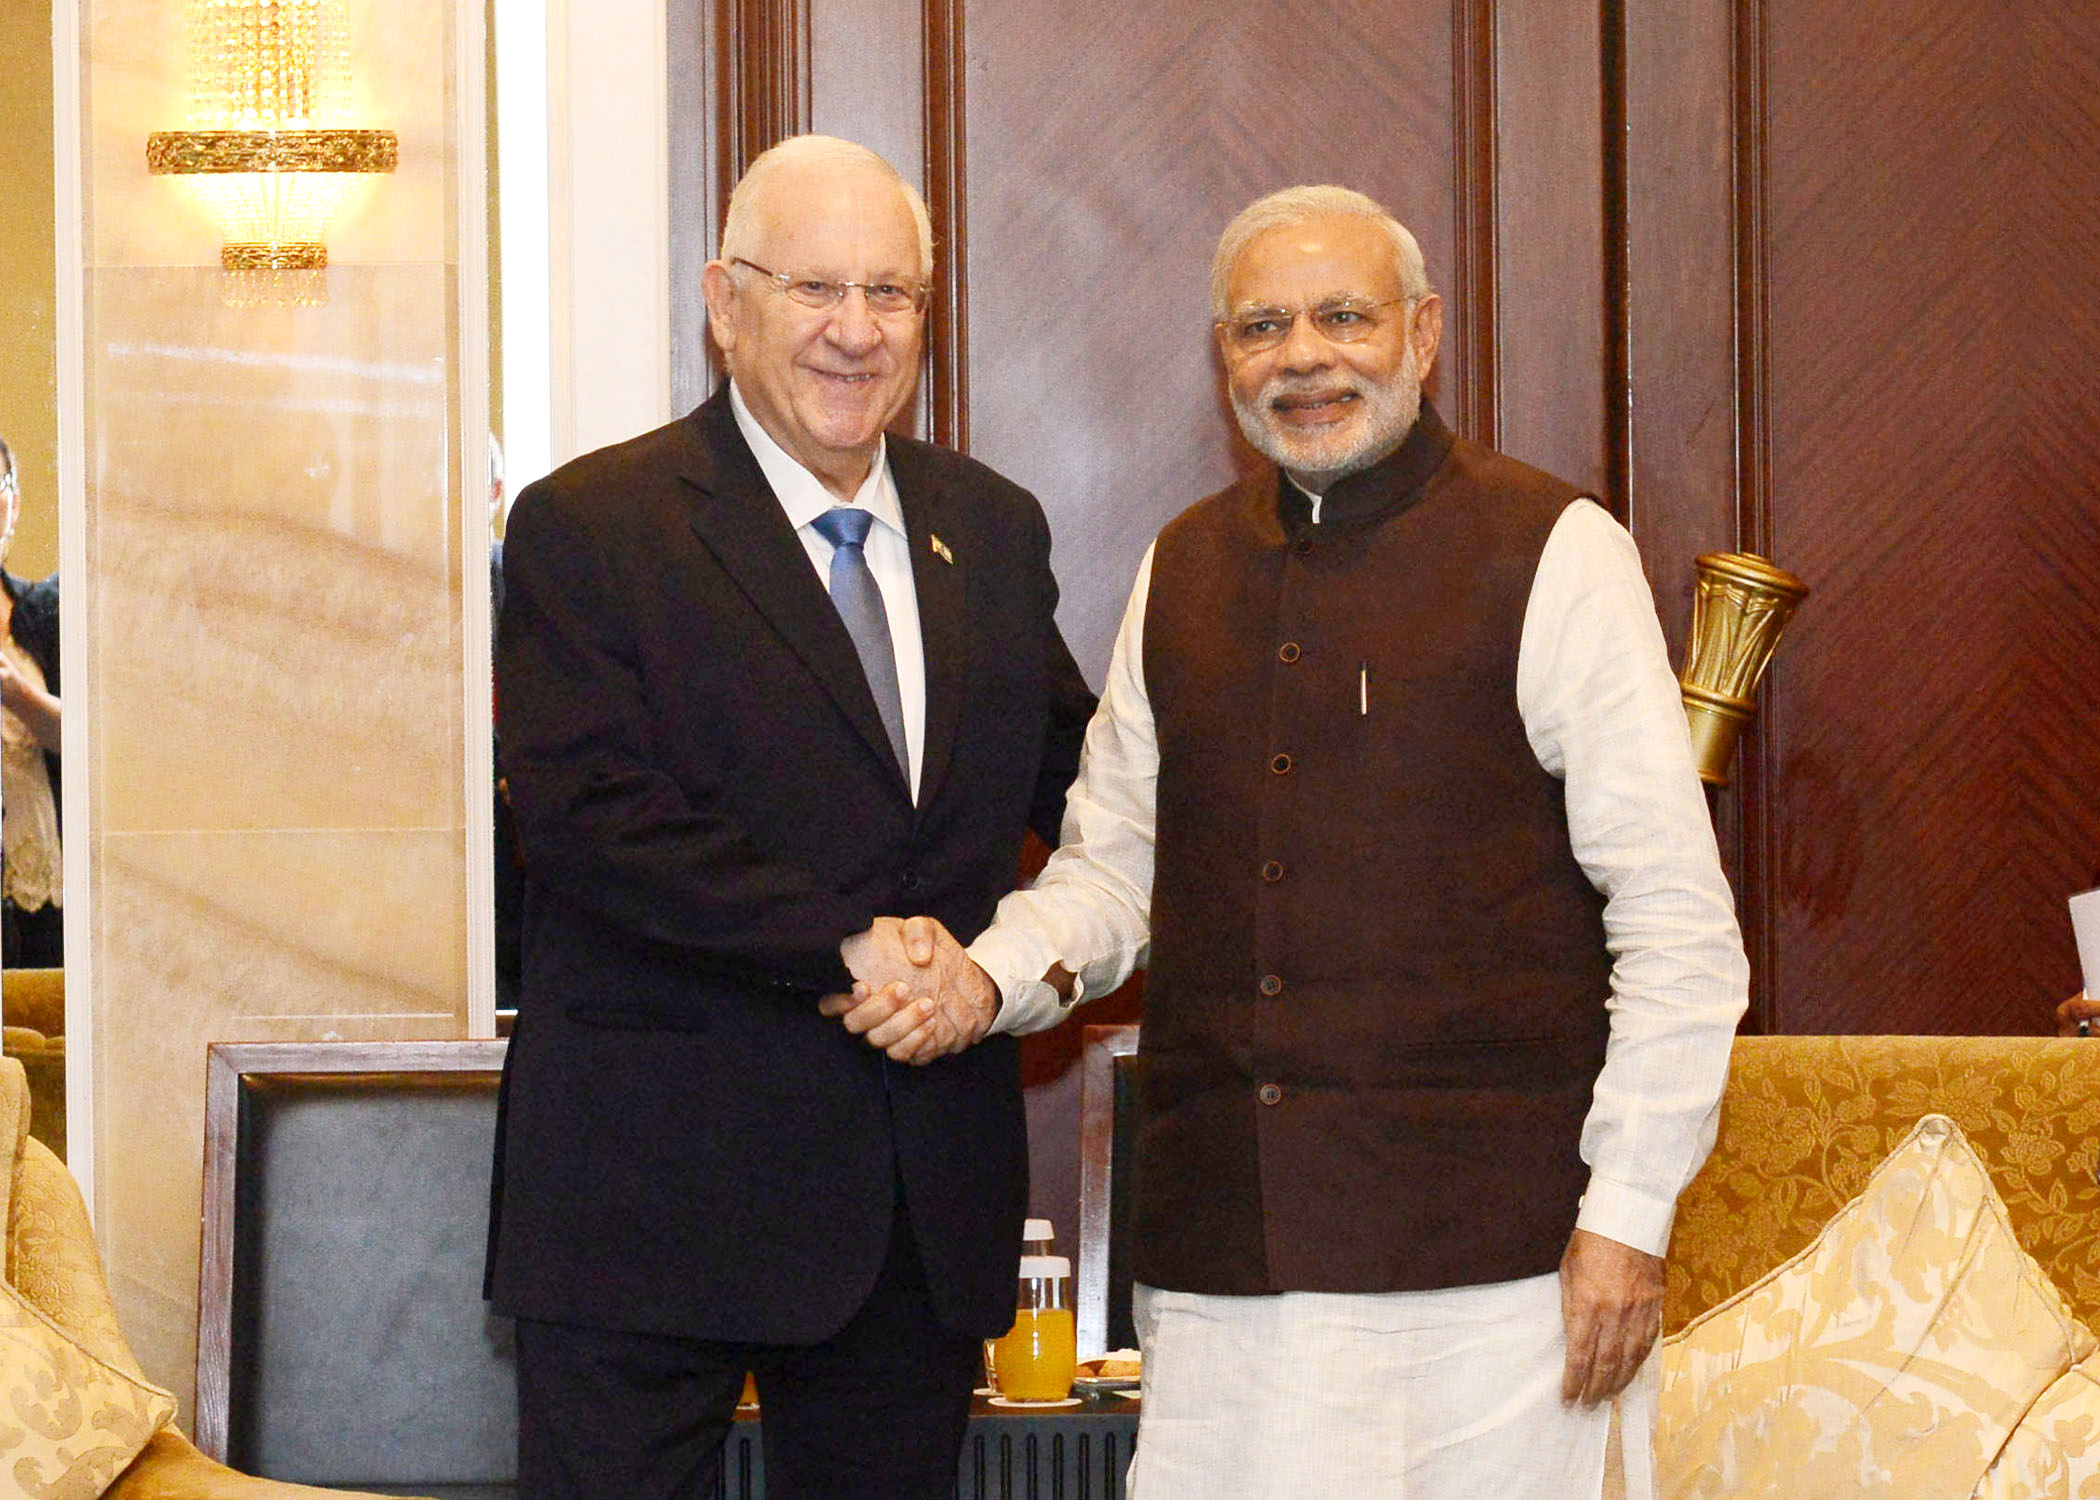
916 993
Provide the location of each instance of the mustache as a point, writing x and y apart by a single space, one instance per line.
1288 387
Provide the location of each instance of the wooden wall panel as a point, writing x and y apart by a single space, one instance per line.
1080 158
864 63
1933 476
1550 305
1107 147
1681 377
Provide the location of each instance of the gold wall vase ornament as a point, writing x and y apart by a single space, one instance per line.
1742 605
270 148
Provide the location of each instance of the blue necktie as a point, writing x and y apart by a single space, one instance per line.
859 603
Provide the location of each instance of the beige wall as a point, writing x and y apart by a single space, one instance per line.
275 652
28 347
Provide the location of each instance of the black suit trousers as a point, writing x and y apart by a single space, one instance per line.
876 1412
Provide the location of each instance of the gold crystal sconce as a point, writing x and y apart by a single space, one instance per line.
270 147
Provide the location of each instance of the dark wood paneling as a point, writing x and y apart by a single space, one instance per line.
695 215
865 77
1686 353
1756 830
1550 305
1929 190
762 81
947 200
739 82
1470 341
1108 145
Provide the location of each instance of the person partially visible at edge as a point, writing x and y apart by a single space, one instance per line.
34 881
764 676
1392 774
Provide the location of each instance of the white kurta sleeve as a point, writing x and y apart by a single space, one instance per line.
1602 711
1090 908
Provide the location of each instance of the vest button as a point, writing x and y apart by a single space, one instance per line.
1287 652
1272 871
1269 1093
1281 765
1270 985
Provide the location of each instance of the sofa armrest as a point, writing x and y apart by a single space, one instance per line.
171 1468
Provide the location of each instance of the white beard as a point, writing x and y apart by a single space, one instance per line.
1319 459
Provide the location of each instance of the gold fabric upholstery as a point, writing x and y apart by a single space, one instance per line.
2055 1451
1891 1358
33 1005
1806 1120
35 998
69 1423
52 1260
52 1263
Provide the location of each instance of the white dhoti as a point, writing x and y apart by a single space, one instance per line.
1443 1395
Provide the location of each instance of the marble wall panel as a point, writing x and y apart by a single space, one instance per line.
273 663
277 621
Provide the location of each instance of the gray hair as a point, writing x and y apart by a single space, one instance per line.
740 230
1294 206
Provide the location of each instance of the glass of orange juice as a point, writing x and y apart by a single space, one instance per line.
1035 1358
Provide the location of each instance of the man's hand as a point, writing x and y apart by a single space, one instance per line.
916 995
1611 1298
2078 1016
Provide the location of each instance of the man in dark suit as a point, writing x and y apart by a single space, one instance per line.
765 675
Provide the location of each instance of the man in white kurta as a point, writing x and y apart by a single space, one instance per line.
1499 1386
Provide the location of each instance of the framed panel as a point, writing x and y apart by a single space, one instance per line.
342 1338
1103 1148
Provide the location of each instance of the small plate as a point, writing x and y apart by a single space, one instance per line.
1030 1405
1104 1385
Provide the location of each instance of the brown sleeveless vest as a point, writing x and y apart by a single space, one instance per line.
1375 1007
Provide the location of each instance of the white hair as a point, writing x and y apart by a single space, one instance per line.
740 229
1294 206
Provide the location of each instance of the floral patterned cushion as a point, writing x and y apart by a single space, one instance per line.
1892 1356
1806 1119
2055 1451
69 1423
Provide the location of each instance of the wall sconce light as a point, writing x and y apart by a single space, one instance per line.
1742 605
268 146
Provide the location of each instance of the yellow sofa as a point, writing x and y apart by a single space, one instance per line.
53 1265
1805 1122
1806 1119
33 1004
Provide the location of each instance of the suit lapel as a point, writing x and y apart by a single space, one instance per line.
937 577
735 514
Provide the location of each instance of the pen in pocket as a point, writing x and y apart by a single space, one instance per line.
1363 689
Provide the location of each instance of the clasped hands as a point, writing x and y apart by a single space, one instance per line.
916 994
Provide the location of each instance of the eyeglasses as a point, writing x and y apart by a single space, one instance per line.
1344 320
885 298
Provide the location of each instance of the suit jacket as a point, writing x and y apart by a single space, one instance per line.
706 804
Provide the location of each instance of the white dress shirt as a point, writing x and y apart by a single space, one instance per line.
1602 712
888 551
